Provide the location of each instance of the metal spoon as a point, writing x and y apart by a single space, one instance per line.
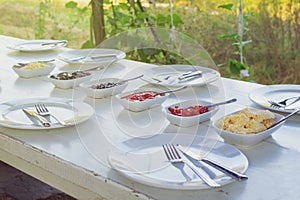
168 91
221 103
285 118
130 79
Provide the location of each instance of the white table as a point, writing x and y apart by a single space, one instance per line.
65 158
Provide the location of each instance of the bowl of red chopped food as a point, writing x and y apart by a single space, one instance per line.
103 88
142 99
189 113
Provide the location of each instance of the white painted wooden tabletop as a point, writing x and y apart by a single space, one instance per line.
74 159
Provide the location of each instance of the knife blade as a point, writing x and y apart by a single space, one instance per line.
39 118
195 157
54 43
199 171
189 75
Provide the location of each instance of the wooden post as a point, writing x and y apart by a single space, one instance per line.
98 21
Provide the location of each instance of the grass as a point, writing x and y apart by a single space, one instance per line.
273 56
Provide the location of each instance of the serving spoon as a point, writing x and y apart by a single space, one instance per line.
285 118
169 91
130 79
221 103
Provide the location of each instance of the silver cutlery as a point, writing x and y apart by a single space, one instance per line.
92 57
221 103
175 158
195 157
184 77
44 112
54 43
169 91
285 118
130 79
33 115
284 103
189 75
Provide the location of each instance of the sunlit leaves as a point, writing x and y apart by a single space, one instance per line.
227 6
71 4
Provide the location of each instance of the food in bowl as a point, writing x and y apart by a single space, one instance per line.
104 85
142 99
188 111
248 121
141 96
262 120
70 75
34 65
103 88
67 80
33 69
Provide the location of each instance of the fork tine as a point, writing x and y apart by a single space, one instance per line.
175 151
45 108
166 151
274 104
37 108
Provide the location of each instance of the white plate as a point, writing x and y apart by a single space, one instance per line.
91 56
143 161
154 74
12 116
38 45
275 93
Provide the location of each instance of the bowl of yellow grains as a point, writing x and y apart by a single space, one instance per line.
247 127
34 69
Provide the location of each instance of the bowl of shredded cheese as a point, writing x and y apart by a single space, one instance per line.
247 127
34 69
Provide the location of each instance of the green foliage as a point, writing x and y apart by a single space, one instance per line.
41 22
77 15
271 25
71 4
132 15
235 66
227 6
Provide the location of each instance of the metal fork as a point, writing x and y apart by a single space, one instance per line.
174 157
43 111
283 103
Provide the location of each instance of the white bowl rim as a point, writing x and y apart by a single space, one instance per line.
166 110
119 96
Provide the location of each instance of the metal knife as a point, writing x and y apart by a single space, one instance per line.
189 75
195 157
39 118
199 171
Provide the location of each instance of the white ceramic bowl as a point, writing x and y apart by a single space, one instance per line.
137 106
34 72
70 83
187 121
246 140
105 92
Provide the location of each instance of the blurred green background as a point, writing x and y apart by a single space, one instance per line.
271 29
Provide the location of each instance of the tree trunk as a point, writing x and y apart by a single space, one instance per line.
98 21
